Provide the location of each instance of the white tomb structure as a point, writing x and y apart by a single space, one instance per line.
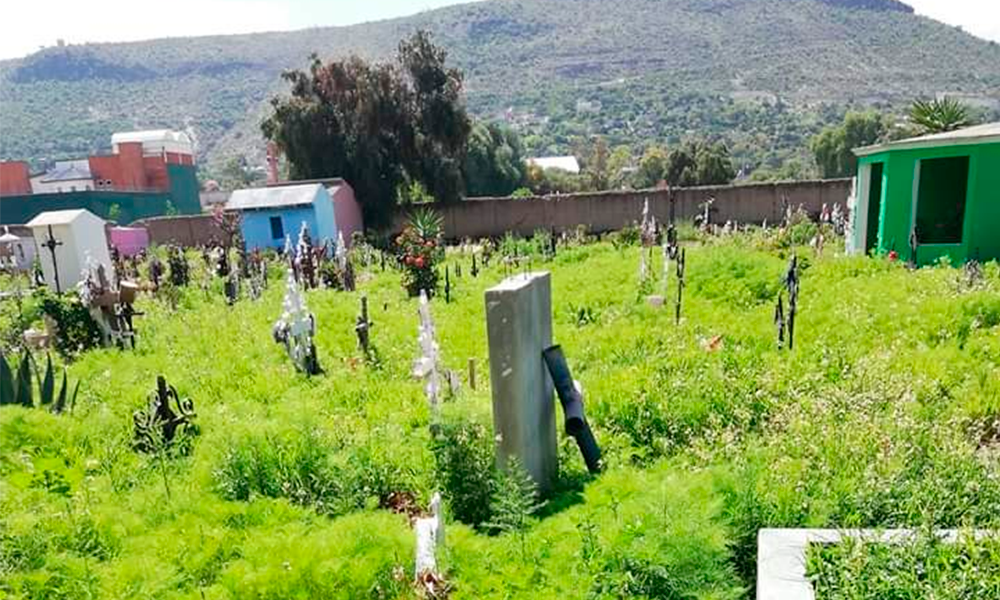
17 249
78 234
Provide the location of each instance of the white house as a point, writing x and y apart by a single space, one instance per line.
77 234
563 163
66 176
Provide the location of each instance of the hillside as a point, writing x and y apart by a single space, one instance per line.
759 73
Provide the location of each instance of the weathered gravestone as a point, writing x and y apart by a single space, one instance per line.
519 328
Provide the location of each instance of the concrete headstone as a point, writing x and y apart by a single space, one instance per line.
519 328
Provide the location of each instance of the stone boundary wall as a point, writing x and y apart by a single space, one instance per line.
599 211
188 230
612 210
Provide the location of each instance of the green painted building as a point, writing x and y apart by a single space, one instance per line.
943 188
122 206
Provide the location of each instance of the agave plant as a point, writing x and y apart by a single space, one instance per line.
935 116
17 387
426 223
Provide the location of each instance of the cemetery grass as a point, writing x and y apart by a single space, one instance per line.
924 567
886 414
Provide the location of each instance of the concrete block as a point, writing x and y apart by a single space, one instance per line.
519 327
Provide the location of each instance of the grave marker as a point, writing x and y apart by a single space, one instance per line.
297 326
51 243
791 284
363 329
519 328
681 265
426 366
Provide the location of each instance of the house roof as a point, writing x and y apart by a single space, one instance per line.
566 163
18 231
273 197
68 170
8 237
60 217
977 134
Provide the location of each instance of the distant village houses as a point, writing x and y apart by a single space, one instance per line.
147 173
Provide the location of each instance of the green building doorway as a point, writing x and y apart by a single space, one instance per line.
874 206
941 198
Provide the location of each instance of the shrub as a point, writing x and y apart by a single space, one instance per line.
626 236
420 250
76 329
464 467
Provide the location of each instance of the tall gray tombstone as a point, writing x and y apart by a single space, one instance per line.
519 327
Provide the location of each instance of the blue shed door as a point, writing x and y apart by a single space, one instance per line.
277 229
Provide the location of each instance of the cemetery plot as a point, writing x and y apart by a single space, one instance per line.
280 480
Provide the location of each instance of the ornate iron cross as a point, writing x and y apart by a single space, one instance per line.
52 243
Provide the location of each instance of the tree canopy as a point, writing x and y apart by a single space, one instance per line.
694 162
376 124
832 147
494 163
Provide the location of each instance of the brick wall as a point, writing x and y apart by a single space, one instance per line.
14 178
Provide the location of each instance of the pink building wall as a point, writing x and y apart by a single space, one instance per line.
346 211
129 240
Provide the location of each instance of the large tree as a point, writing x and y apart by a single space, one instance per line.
494 163
833 146
652 167
695 162
376 124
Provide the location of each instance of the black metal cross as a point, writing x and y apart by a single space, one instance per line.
681 266
52 243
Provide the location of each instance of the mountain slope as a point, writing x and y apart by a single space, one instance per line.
631 69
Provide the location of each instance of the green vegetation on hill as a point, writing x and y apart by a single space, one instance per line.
761 76
884 415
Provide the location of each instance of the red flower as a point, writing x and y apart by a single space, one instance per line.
408 260
893 255
419 262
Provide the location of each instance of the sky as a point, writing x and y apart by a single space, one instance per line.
42 22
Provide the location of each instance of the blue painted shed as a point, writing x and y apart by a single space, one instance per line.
271 213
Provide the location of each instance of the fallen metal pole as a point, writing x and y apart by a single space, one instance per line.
572 403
